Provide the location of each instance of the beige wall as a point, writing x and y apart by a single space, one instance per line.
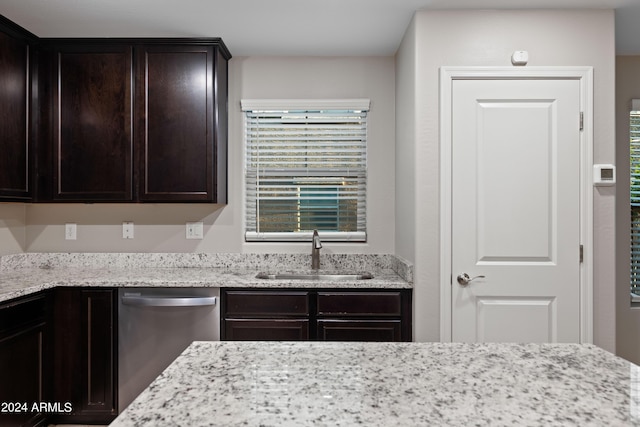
407 121
627 319
333 77
161 227
12 228
488 38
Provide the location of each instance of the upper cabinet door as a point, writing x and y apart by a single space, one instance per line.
92 115
176 130
15 161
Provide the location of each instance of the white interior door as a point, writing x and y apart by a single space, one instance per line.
515 210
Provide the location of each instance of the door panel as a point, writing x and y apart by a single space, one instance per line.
533 318
516 210
509 163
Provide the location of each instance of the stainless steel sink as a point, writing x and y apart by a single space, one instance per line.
338 276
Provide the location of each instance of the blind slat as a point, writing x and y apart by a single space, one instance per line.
634 195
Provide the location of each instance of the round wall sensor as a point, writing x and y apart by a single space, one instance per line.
520 57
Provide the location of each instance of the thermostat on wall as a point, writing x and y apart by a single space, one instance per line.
604 175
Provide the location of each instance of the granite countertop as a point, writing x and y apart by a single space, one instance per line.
29 273
382 384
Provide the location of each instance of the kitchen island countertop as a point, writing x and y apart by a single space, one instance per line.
389 384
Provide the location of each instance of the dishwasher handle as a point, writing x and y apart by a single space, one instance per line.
167 301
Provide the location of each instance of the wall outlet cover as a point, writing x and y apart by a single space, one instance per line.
195 230
127 230
70 231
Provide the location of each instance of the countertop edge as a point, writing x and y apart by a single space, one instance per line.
30 281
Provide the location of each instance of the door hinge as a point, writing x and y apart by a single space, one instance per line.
581 120
581 253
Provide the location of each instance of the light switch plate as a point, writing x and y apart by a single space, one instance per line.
195 230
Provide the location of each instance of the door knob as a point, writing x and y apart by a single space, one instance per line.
464 279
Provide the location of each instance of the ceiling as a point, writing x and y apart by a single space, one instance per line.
278 27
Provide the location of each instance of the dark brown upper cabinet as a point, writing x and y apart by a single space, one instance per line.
135 120
92 122
177 123
16 160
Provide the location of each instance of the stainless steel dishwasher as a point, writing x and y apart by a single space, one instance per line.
154 326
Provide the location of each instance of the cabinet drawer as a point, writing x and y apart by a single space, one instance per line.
266 330
267 303
359 304
359 330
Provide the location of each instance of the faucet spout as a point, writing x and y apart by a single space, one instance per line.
316 244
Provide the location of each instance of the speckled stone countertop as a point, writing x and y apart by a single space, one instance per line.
389 384
25 274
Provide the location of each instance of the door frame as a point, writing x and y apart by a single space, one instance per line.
585 77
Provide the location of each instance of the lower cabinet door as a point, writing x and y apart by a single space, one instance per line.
99 358
359 330
266 330
21 377
86 355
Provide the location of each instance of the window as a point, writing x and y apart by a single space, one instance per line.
305 169
634 155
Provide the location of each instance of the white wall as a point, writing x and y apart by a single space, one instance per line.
627 318
483 38
160 227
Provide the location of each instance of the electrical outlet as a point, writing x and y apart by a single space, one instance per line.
195 230
127 230
70 231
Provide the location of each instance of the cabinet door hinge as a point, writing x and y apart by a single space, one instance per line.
581 120
581 253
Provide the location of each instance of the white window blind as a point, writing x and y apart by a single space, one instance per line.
305 169
634 155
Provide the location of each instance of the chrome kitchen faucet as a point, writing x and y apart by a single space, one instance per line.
316 244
